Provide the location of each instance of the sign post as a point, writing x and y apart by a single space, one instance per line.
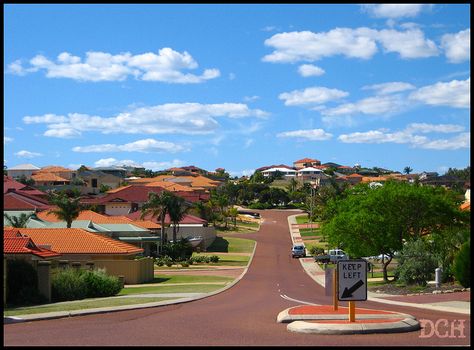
352 283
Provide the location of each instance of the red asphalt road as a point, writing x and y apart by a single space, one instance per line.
242 315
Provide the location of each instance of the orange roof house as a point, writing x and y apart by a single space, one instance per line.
15 244
44 178
78 244
306 162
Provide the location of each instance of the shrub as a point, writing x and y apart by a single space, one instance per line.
74 284
99 284
462 265
22 284
213 258
184 263
416 264
178 251
315 251
199 258
68 284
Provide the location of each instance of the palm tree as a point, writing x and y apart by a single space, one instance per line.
68 208
158 206
407 170
233 213
18 221
177 209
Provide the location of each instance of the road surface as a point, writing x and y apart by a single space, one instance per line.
243 315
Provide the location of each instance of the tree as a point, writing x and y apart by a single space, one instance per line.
377 221
407 170
18 221
68 208
233 213
158 206
176 209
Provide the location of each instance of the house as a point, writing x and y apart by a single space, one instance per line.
344 169
81 248
60 171
444 181
308 173
76 244
352 179
189 226
11 185
263 168
305 162
94 179
120 172
48 179
143 233
287 173
21 170
16 245
14 200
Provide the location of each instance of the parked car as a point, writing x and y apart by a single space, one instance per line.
298 251
333 256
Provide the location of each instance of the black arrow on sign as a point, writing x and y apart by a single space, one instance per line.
348 292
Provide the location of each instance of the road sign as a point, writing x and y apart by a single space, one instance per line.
352 280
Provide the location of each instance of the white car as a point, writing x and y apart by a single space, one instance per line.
298 251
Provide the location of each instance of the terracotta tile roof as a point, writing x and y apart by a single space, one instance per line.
39 177
78 241
170 186
21 201
355 175
15 243
305 160
54 169
87 215
187 219
118 189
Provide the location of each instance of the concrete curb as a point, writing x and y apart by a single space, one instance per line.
285 317
62 314
405 325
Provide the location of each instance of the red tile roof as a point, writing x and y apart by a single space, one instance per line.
466 206
78 241
187 219
22 201
15 243
306 160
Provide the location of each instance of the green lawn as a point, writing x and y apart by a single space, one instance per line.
302 219
231 245
310 232
80 305
167 279
163 288
227 260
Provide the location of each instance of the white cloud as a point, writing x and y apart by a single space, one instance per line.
7 139
106 162
146 146
375 105
389 88
245 172
309 70
409 44
156 166
454 94
393 10
166 66
312 135
179 118
251 98
27 154
461 141
248 143
46 119
291 47
428 128
457 46
313 95
409 136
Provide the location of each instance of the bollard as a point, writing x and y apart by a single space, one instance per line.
438 272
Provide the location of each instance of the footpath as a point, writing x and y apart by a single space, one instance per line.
323 319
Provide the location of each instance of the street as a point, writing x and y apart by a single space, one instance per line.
242 315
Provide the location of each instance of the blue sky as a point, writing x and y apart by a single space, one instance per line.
237 86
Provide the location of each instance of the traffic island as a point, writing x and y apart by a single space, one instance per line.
323 319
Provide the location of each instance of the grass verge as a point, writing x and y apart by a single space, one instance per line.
163 288
79 305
